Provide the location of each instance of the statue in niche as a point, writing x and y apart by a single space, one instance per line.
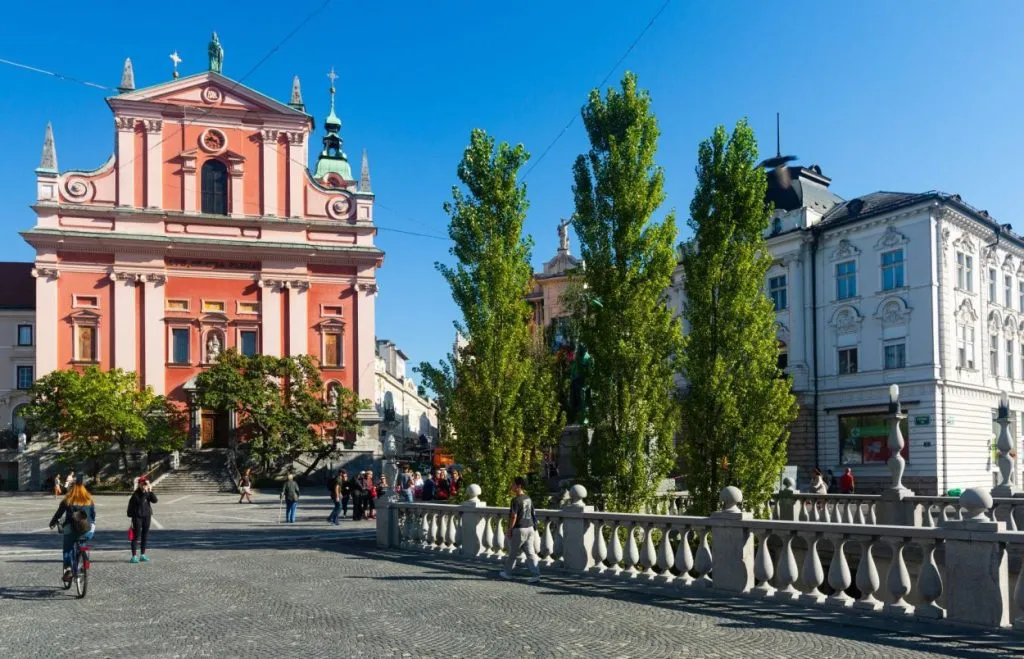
212 347
332 397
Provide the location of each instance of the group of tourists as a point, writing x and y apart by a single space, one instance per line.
827 483
439 486
361 491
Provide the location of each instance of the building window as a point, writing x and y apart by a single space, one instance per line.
1008 290
249 307
85 343
1009 359
847 361
179 345
332 349
25 378
966 348
993 353
330 311
964 271
177 305
992 285
895 355
213 306
215 187
892 269
846 280
248 340
864 438
777 292
24 335
783 361
85 302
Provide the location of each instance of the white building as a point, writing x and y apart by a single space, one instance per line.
918 289
407 412
17 362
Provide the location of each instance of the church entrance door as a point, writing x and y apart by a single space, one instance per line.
215 430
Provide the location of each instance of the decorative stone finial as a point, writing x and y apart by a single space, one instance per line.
48 163
474 492
216 52
787 484
364 176
976 501
577 493
730 497
127 77
296 101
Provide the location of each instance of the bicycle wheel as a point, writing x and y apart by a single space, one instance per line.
82 580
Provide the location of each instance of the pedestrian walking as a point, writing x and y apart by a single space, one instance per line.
335 490
346 492
818 485
57 491
846 482
406 484
245 486
70 480
290 494
140 510
521 528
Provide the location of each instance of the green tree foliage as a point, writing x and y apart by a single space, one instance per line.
620 312
739 405
342 424
279 403
498 391
94 412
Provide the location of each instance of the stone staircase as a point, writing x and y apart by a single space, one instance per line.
199 472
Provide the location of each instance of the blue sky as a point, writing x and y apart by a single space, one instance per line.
907 96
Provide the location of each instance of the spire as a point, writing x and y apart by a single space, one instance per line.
364 175
332 159
296 101
127 77
332 120
216 53
48 163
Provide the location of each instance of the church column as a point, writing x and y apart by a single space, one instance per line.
296 173
236 170
154 164
270 316
298 318
365 353
270 202
125 339
46 319
188 183
155 356
125 161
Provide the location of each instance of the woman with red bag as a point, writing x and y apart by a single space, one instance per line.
140 510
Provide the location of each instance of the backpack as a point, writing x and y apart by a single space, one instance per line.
80 521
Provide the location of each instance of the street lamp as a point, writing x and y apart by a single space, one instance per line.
1004 444
896 462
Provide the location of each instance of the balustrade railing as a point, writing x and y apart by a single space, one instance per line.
956 569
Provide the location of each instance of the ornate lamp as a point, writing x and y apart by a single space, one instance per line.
896 462
1004 444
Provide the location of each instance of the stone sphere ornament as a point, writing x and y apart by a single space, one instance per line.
976 501
474 492
730 497
577 493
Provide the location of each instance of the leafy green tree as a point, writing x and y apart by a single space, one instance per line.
279 403
499 394
343 407
738 406
93 412
620 312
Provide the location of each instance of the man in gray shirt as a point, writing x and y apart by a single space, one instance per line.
520 531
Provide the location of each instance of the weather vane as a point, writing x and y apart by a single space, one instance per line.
176 61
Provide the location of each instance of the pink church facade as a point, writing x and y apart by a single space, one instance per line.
206 231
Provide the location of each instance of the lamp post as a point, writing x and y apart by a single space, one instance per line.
896 462
1004 444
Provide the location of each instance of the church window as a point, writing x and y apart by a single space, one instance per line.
331 311
85 343
332 349
179 345
215 188
249 342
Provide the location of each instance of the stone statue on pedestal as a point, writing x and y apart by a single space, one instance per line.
212 347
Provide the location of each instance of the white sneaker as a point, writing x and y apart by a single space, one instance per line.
533 580
504 575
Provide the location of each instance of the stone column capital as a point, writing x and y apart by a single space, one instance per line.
43 272
124 123
153 125
269 135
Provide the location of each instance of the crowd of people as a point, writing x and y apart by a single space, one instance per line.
827 483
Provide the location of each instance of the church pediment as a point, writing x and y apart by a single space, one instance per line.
208 89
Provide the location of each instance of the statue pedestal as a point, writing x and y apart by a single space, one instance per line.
572 437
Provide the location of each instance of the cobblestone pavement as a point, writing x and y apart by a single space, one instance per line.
228 581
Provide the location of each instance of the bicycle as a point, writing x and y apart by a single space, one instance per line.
79 575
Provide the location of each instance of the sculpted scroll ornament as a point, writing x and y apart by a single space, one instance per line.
213 141
891 238
965 314
894 312
211 95
339 207
76 188
845 250
846 321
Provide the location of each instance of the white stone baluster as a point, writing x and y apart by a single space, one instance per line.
929 584
453 532
632 556
803 516
616 568
839 577
441 531
600 549
559 539
1018 598
485 539
786 574
859 513
872 517
664 560
425 533
898 581
812 573
763 568
458 532
649 557
684 559
867 578
926 515
499 530
705 562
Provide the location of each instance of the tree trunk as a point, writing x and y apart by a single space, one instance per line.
320 455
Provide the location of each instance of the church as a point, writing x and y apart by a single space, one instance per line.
206 231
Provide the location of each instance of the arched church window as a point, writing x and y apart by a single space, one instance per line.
215 187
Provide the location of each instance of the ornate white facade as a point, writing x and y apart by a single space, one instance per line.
407 413
921 290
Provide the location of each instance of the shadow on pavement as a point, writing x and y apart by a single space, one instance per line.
29 593
740 612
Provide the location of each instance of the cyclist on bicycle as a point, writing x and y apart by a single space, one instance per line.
79 513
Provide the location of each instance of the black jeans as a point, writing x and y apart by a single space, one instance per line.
344 505
140 533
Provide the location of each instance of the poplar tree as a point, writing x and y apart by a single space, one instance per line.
620 312
498 389
739 404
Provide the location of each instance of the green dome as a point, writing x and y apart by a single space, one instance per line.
327 165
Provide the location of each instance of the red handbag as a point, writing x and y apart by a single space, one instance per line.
131 534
